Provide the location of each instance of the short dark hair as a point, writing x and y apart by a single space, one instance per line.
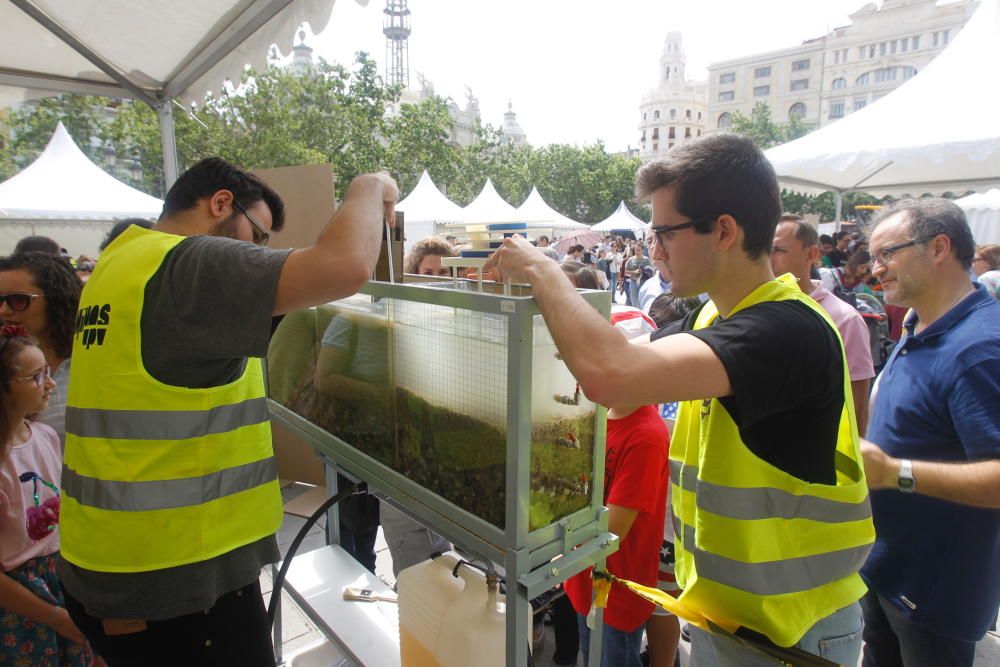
213 174
57 280
120 227
805 233
38 244
716 175
825 239
668 307
933 216
858 258
581 275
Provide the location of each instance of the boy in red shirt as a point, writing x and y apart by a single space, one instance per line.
636 478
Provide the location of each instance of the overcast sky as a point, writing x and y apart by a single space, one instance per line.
575 70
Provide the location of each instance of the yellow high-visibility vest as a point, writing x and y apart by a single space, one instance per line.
755 546
156 476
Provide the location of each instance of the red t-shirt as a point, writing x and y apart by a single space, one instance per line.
636 476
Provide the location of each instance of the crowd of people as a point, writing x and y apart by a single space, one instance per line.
771 464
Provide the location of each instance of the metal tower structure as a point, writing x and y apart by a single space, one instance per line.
396 29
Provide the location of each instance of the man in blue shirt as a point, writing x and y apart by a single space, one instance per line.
658 284
933 462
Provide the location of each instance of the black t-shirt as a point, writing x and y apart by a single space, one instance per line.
837 257
786 368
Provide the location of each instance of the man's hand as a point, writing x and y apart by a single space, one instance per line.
390 195
880 468
515 260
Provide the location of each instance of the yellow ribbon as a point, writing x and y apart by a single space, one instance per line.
602 586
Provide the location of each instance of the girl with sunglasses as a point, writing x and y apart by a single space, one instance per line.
35 628
41 293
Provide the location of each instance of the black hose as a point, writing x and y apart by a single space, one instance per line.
279 582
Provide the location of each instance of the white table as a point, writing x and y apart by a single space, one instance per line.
368 632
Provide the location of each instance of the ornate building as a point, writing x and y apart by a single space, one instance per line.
674 111
829 77
511 132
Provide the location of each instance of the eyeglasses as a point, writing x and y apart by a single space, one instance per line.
884 256
40 377
260 237
665 232
18 301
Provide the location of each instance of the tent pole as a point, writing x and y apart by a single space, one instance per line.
839 198
165 113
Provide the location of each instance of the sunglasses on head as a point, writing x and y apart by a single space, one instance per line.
18 301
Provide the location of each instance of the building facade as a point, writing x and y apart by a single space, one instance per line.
829 77
674 112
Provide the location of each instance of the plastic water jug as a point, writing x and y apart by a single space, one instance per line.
449 621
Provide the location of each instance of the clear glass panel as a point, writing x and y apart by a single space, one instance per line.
421 388
562 436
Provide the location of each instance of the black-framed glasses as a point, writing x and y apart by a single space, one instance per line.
18 301
663 232
884 256
40 377
260 237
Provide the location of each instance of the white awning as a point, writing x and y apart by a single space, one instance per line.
621 219
538 213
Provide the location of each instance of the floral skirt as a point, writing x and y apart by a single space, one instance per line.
24 643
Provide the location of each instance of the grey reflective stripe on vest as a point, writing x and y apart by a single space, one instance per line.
164 424
779 577
765 503
166 494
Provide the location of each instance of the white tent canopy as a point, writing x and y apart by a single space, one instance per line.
489 206
424 207
63 184
156 51
983 212
621 219
938 132
538 213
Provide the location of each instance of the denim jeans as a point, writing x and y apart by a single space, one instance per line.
836 637
618 648
892 640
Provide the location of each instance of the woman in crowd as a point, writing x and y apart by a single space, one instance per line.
35 626
986 265
41 292
425 257
852 276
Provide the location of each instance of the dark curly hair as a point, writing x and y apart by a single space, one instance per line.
11 345
57 280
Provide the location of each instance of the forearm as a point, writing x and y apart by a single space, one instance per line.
976 484
859 389
17 599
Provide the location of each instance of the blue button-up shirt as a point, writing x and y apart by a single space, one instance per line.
938 399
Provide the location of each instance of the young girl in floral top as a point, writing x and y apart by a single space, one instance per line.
35 628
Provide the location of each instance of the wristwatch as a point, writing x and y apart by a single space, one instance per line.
905 481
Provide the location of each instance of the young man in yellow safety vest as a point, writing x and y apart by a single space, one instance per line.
768 494
170 499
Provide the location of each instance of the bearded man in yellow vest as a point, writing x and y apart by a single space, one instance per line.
170 499
770 507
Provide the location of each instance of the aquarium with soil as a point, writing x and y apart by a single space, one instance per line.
423 389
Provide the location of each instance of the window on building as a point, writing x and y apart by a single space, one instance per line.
871 51
687 132
838 83
860 104
673 114
726 96
669 146
799 84
725 120
861 52
670 133
656 115
944 37
699 115
893 45
643 138
728 77
885 74
836 110
797 110
687 114
800 65
915 42
762 72
761 91
863 80
908 72
882 48
656 147
699 133
836 57
904 44
936 37
844 58
656 133
666 76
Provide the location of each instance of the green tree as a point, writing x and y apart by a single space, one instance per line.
764 132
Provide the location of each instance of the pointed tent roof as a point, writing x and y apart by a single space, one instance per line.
622 218
983 212
489 206
939 131
535 209
62 183
426 203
